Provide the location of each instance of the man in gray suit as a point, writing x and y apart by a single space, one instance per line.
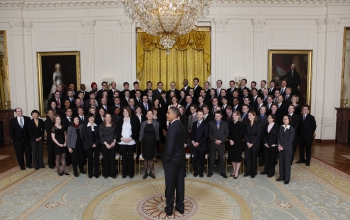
218 132
191 118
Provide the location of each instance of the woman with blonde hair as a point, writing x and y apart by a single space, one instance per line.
235 149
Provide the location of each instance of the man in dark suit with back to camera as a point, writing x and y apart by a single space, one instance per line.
218 132
20 136
173 162
307 128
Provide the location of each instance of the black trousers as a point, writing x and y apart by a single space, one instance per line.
50 153
251 157
174 181
294 144
261 153
212 155
284 164
127 152
37 150
109 165
93 156
198 161
68 158
23 148
305 145
78 155
270 159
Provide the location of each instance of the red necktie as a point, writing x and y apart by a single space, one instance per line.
58 103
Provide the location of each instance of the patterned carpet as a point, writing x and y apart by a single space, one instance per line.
315 192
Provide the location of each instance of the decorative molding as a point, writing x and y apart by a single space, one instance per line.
332 24
17 27
126 25
321 25
27 28
221 24
88 26
259 24
94 3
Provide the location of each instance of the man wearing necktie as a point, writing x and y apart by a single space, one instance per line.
20 136
307 128
263 123
218 132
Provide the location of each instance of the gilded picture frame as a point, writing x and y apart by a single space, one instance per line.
56 68
279 63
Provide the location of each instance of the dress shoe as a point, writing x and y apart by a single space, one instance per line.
180 211
300 161
307 163
90 176
269 176
60 174
235 177
30 167
97 176
209 174
145 176
114 176
286 182
252 176
22 168
131 176
105 177
82 172
36 168
223 175
168 213
201 175
65 173
152 175
124 176
279 179
263 173
76 174
246 174
195 174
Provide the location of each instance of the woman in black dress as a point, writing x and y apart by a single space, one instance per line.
252 144
269 151
149 134
59 137
235 149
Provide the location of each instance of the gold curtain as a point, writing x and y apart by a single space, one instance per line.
189 58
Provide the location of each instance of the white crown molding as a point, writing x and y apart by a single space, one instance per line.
126 25
321 25
259 24
220 24
17 27
88 26
94 3
332 24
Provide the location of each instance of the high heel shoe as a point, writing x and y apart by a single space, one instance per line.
235 177
60 174
152 175
65 173
145 176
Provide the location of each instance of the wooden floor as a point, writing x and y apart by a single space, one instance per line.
330 153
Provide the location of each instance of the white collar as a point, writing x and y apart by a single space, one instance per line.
174 121
200 121
288 126
88 125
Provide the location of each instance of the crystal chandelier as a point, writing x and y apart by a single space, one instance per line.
167 18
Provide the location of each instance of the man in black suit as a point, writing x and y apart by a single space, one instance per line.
214 105
307 128
125 99
173 88
272 88
294 122
186 88
228 114
145 105
293 80
76 106
254 102
149 87
157 92
282 108
104 88
83 90
207 117
288 96
262 88
197 88
218 89
230 90
236 106
206 88
137 97
260 104
244 86
82 117
112 90
117 104
126 88
283 87
199 138
150 95
173 160
105 106
218 132
60 89
71 99
59 101
245 110
91 104
48 124
262 117
269 103
188 104
194 99
136 87
264 96
20 136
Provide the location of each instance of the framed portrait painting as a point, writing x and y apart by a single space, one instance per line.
56 69
299 80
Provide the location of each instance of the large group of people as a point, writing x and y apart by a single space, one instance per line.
266 124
